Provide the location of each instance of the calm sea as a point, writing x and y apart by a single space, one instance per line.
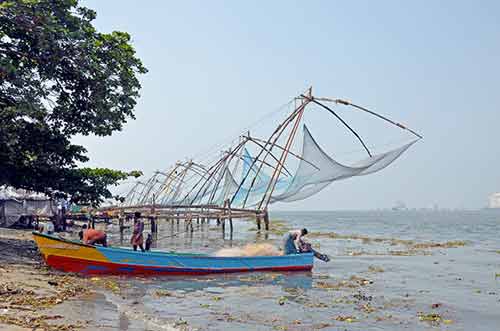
370 284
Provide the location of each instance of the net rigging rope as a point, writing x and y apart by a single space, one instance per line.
230 140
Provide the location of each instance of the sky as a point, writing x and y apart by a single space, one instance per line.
216 66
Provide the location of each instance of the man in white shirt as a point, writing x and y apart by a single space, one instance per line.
291 241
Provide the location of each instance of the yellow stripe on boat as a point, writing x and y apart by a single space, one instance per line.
49 245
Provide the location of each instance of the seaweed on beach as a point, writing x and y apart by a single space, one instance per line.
277 227
367 308
448 244
36 322
412 247
434 319
375 269
346 318
353 282
107 283
12 294
162 293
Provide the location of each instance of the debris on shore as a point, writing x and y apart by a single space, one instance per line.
29 291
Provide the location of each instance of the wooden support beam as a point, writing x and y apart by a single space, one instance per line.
266 220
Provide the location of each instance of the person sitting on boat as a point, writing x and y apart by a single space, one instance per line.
137 237
291 241
93 236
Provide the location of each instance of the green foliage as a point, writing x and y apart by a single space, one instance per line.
60 77
90 186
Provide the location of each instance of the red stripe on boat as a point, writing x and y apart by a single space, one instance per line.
70 264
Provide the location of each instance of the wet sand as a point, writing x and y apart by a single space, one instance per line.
34 297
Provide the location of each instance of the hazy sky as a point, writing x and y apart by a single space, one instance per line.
216 66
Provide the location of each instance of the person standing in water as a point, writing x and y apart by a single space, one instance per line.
137 236
291 241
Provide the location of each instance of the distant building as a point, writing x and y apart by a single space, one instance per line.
494 200
400 205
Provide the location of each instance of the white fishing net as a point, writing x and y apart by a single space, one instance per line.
315 171
319 170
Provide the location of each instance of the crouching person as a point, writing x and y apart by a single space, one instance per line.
291 241
93 236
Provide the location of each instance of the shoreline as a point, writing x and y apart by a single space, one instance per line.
35 297
30 291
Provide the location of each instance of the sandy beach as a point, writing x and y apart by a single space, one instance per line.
34 297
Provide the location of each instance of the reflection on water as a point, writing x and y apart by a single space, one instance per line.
302 280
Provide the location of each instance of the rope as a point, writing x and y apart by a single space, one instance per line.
222 143
345 124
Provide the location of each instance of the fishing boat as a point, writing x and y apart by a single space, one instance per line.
73 256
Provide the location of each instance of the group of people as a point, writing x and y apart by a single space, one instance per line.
293 241
91 236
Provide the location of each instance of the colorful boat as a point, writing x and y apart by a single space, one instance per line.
73 256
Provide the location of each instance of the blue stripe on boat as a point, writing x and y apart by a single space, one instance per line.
188 262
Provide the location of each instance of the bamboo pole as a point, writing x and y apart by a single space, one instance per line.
199 181
288 173
216 166
180 179
168 181
284 154
205 186
277 132
226 165
345 124
347 103
290 152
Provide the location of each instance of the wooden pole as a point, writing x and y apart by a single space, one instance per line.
279 131
272 155
211 173
275 135
343 122
289 152
230 217
223 164
276 174
170 177
266 220
223 227
347 103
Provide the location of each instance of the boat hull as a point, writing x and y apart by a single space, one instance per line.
69 264
72 256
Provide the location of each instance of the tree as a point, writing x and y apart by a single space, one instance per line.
59 77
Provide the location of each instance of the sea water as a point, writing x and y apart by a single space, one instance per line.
378 277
